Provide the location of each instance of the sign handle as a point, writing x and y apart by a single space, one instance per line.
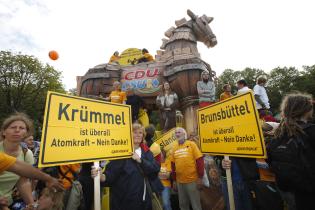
97 189
229 185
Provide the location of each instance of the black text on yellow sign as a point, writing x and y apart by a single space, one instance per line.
167 140
79 130
232 128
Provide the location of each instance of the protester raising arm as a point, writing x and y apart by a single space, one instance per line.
26 170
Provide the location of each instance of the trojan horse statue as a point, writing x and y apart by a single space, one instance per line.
178 62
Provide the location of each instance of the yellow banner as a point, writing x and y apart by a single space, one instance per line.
232 128
77 129
167 140
130 56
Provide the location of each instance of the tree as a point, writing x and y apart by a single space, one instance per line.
73 91
306 82
281 81
231 77
24 82
228 76
251 75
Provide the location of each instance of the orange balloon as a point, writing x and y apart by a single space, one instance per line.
53 55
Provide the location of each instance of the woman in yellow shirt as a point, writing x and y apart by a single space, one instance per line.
147 57
117 96
114 58
227 92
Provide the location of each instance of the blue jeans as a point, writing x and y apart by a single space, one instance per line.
166 195
241 192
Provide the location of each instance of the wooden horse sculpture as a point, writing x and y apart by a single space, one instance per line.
178 62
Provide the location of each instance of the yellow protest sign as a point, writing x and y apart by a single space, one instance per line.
167 140
232 128
77 129
130 56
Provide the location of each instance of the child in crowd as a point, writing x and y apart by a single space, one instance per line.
49 200
164 176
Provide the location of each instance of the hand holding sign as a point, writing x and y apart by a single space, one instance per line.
226 164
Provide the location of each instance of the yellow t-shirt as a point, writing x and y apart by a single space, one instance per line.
117 97
184 156
224 96
9 179
148 56
6 161
113 58
155 149
166 167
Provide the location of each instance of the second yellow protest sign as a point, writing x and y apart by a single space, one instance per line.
77 129
167 140
232 128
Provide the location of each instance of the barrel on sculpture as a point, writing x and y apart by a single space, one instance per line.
98 81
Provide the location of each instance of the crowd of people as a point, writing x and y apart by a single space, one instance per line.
154 178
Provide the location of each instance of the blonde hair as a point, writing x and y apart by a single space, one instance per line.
56 197
183 130
17 117
137 126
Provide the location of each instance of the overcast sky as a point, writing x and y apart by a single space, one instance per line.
261 34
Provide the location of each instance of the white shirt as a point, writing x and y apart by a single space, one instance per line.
138 152
262 93
244 89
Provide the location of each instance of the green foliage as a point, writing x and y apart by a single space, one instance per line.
73 91
306 82
231 77
24 83
280 81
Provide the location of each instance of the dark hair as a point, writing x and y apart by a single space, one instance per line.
225 86
261 80
164 89
242 82
17 117
150 129
293 107
145 50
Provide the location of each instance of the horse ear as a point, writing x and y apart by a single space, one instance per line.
210 19
207 18
191 14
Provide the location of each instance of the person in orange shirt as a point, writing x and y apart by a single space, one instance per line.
147 57
227 92
117 96
164 176
68 175
114 58
187 169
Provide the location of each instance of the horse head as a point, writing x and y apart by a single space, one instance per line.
202 30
